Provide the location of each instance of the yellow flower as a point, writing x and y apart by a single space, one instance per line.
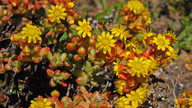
118 67
137 97
190 102
177 104
122 102
56 13
146 16
40 102
31 32
84 28
120 30
146 36
154 65
105 42
119 84
171 36
132 45
139 66
172 54
136 6
70 5
161 42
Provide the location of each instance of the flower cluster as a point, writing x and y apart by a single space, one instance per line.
136 15
185 101
135 58
83 99
133 99
31 33
53 40
61 10
29 41
40 102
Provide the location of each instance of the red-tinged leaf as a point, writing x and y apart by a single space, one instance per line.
82 80
106 95
50 72
44 51
3 99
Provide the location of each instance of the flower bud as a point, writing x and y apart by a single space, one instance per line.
125 8
125 18
71 12
71 46
131 82
26 2
77 57
71 22
81 51
91 41
70 5
55 93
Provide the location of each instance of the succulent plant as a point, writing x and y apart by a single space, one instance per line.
57 77
86 99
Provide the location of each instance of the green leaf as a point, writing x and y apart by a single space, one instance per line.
183 45
104 4
100 16
190 39
84 13
59 50
139 35
98 79
96 69
87 67
63 37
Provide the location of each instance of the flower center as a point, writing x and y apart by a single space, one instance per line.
40 105
105 42
31 32
161 42
86 28
138 65
57 13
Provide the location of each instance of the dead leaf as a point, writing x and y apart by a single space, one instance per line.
187 59
189 67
